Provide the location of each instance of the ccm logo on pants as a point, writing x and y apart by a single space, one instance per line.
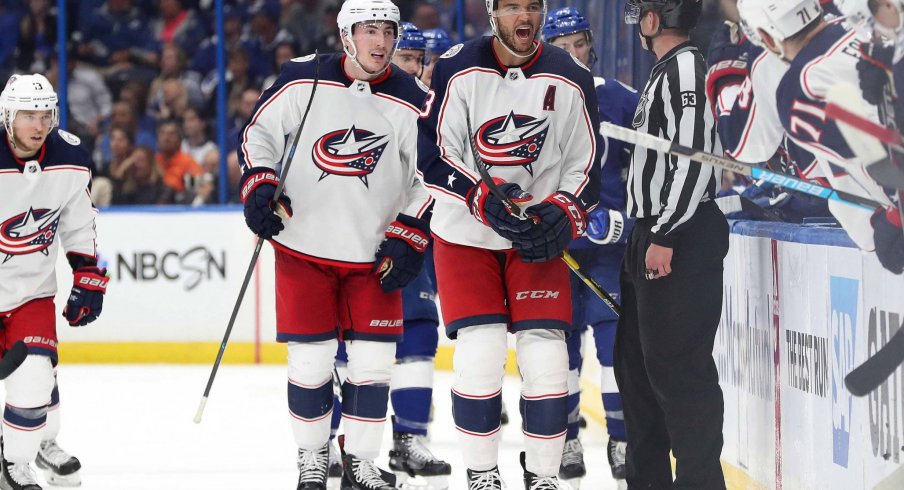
536 295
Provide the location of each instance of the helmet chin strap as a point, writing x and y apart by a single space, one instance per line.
354 58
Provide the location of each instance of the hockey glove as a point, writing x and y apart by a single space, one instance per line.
889 238
874 69
401 254
491 211
727 60
86 300
559 220
605 226
258 187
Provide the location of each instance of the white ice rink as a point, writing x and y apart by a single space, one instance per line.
131 427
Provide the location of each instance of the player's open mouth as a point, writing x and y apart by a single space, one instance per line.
378 56
523 33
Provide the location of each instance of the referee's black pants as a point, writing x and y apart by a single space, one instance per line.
663 357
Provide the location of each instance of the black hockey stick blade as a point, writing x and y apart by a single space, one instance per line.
875 370
13 358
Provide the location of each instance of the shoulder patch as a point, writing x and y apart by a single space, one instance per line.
302 59
69 137
578 62
421 85
452 51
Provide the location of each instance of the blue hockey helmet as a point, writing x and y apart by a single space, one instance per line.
438 40
564 22
410 37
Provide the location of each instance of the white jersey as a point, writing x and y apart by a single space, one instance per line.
535 125
354 168
46 204
830 57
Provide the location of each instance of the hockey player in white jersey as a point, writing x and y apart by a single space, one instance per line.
354 233
600 253
529 111
45 178
821 54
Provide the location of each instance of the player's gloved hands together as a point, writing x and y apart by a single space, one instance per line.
258 187
491 211
874 68
605 226
889 238
401 254
86 300
557 221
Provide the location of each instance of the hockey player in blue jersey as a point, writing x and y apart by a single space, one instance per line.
45 177
820 54
438 42
411 51
353 234
600 252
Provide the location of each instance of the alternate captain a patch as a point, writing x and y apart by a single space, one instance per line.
349 152
29 232
514 140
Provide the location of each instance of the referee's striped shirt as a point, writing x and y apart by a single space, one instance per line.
673 105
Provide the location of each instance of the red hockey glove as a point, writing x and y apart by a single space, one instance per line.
86 300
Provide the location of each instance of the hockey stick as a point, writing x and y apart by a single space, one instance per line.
875 370
260 243
516 211
12 359
665 146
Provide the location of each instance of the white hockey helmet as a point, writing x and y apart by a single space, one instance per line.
861 15
780 19
27 93
492 5
355 11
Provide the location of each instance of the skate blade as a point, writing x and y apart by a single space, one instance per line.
621 484
406 482
574 483
333 483
73 480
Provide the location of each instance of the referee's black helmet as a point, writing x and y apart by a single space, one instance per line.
674 14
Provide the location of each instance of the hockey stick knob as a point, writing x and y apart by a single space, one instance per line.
200 410
281 211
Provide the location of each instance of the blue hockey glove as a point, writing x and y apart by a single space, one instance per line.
605 226
557 221
86 300
490 210
889 238
258 187
401 254
874 68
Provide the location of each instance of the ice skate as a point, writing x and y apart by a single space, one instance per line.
18 476
362 474
415 466
312 468
59 467
616 451
572 468
534 482
485 480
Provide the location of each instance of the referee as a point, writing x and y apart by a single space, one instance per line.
671 277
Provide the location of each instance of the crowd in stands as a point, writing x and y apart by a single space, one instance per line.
142 79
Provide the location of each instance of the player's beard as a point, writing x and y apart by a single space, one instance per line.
519 45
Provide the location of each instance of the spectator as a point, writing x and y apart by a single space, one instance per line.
89 99
9 23
328 41
37 37
123 116
238 79
178 168
233 177
179 25
284 53
246 110
266 33
204 60
135 94
173 67
196 143
142 181
173 101
118 37
122 144
425 16
205 191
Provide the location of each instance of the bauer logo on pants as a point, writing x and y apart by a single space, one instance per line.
349 152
